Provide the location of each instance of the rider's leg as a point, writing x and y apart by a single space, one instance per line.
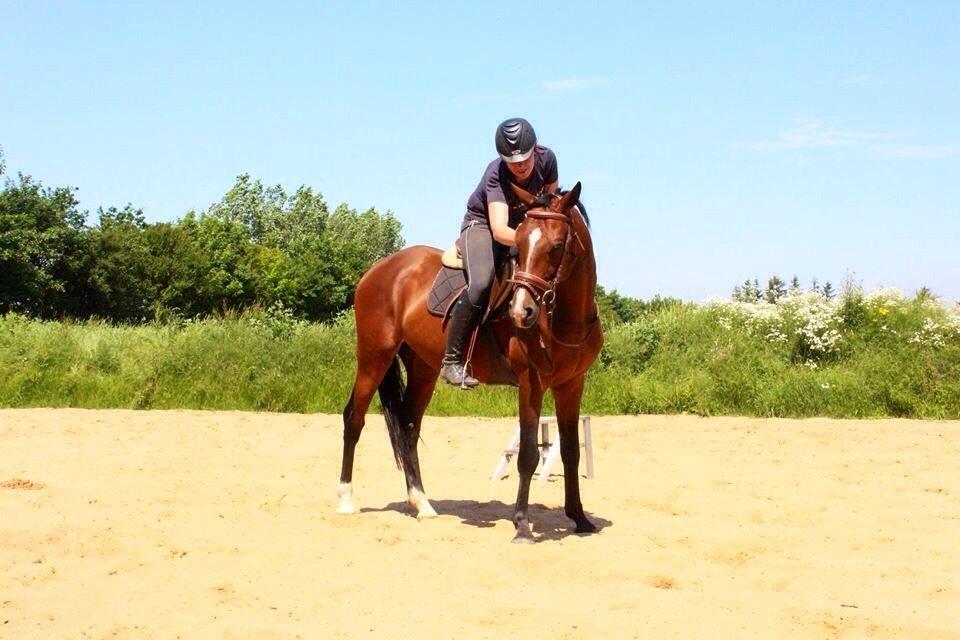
478 261
463 317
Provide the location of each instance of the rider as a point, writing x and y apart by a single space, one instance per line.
487 232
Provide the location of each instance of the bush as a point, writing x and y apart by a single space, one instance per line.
762 359
630 345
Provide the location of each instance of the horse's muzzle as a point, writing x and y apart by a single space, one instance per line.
523 310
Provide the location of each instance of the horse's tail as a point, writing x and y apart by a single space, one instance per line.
393 392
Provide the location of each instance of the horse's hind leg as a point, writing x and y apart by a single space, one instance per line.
371 366
421 380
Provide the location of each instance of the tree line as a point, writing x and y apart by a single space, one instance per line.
257 246
751 291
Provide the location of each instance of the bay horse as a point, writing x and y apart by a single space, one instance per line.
550 336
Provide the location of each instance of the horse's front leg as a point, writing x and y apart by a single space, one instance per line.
531 401
567 399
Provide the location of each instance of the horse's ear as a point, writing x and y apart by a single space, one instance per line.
570 198
525 196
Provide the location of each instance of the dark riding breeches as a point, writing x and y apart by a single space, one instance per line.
481 255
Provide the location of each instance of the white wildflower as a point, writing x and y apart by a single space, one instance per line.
885 297
930 335
817 322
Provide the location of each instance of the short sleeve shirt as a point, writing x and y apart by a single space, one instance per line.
494 187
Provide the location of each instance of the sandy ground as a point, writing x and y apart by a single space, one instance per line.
122 524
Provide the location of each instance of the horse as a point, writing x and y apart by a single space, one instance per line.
551 336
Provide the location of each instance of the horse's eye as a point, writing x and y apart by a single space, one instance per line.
557 247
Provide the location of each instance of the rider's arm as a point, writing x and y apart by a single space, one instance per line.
499 214
551 176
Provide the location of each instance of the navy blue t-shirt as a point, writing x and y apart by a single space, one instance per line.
494 187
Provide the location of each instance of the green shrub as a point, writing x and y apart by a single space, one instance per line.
795 358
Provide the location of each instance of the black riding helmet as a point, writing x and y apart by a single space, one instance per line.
515 140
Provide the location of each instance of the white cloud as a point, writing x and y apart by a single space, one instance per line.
572 84
930 151
813 134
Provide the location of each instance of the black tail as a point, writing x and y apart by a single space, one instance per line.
393 392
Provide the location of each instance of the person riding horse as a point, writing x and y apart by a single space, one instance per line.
487 231
550 337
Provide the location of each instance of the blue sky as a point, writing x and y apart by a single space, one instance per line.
713 143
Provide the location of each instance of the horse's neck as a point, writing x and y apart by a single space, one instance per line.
575 294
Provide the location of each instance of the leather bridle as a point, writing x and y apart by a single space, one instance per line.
544 292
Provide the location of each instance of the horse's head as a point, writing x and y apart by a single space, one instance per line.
548 246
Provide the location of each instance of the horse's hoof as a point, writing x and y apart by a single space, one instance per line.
523 539
420 504
345 493
585 527
426 512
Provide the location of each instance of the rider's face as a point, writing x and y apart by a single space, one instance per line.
522 170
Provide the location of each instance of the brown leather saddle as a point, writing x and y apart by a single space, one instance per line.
451 281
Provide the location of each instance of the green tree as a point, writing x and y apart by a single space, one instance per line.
271 217
360 239
226 244
749 291
302 221
828 291
616 308
179 271
257 245
41 247
926 294
249 204
119 271
295 251
776 289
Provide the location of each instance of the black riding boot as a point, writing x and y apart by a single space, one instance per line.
462 319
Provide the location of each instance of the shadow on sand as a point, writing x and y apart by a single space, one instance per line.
549 523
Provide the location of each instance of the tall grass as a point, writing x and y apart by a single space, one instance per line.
872 356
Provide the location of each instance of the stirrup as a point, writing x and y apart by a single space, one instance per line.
456 374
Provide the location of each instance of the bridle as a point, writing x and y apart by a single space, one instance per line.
544 292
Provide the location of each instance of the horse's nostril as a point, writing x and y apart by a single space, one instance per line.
528 312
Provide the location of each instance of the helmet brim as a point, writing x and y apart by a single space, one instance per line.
516 158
